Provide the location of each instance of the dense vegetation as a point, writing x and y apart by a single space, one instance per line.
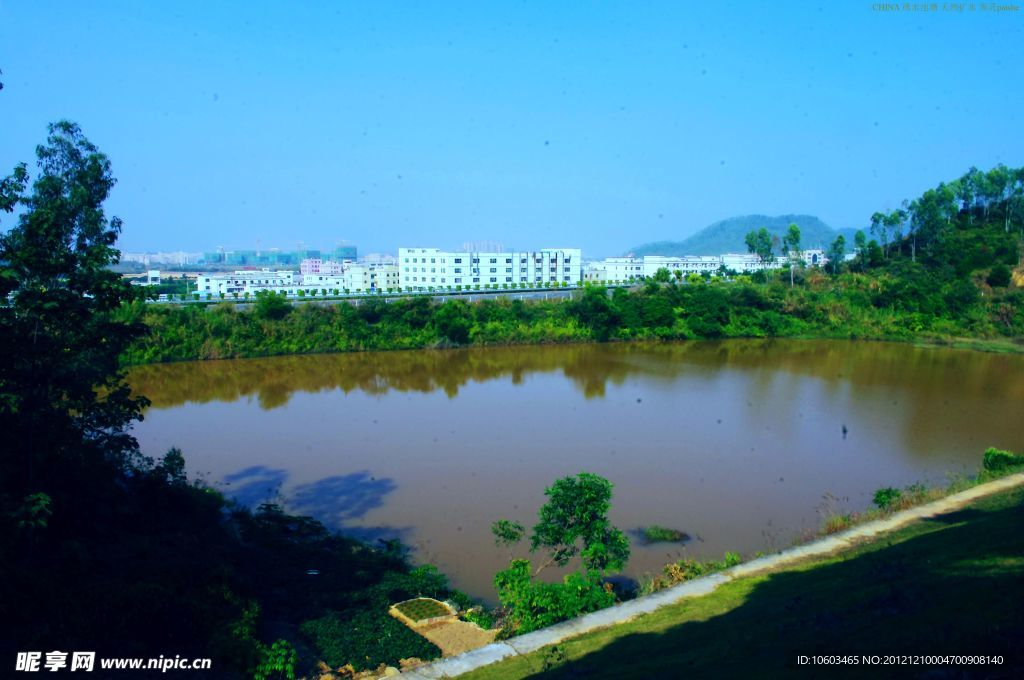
105 549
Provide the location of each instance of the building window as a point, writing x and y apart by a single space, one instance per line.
476 260
458 270
458 260
494 269
508 279
508 270
458 279
494 260
476 280
508 260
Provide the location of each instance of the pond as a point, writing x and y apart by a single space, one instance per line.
741 444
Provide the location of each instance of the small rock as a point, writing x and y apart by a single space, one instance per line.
391 671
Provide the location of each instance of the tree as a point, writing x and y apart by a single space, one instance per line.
269 305
836 253
860 243
63 400
573 522
791 244
760 243
879 227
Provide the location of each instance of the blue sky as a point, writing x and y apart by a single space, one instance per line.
593 125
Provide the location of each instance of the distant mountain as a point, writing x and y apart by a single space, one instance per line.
727 236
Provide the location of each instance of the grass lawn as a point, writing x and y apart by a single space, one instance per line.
420 609
950 585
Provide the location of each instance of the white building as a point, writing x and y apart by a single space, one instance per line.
426 268
355 277
687 264
621 268
248 281
630 268
319 266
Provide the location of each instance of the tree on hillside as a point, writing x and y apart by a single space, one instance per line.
860 242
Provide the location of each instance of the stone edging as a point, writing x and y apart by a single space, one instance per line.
524 644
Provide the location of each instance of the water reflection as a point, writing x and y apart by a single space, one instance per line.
591 367
916 381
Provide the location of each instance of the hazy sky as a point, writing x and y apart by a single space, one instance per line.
588 124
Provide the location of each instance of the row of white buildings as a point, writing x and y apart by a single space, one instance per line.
626 268
416 269
343 277
433 269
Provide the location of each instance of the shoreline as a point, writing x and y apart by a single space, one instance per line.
985 345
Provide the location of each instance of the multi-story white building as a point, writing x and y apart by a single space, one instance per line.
618 269
629 268
426 268
248 281
319 266
687 264
355 276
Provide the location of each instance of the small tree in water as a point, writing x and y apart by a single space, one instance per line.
573 523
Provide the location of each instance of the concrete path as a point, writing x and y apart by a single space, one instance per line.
524 644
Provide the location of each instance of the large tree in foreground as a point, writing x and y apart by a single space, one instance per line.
64 407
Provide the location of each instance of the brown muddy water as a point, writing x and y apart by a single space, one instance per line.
738 443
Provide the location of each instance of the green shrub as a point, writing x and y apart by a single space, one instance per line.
535 604
997 460
276 662
660 534
687 570
886 496
480 617
999 277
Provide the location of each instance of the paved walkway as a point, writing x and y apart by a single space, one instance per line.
524 644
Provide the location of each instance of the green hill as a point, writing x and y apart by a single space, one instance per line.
726 236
